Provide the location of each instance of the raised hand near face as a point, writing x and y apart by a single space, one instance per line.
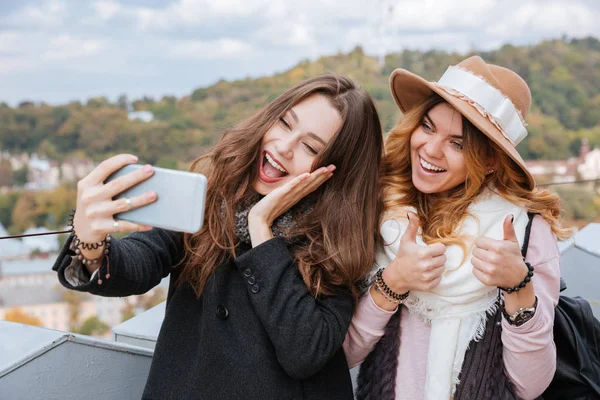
280 200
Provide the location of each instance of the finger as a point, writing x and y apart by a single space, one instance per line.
486 243
439 262
121 205
410 235
125 226
107 167
312 182
480 254
482 277
436 249
479 264
509 229
126 181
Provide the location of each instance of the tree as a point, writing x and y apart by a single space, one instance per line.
92 326
18 315
6 173
74 300
20 176
24 214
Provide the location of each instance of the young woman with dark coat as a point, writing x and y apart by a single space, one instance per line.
260 299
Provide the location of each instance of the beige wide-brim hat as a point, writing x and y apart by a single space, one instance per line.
495 99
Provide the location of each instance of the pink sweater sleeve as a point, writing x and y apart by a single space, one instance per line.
367 327
529 352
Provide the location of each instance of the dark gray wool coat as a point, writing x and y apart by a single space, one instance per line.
255 333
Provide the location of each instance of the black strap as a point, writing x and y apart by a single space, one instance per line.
35 234
527 234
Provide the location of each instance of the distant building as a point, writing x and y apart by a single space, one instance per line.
73 169
43 244
11 248
144 116
590 167
586 166
32 286
580 265
43 174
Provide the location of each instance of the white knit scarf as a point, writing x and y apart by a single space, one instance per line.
458 308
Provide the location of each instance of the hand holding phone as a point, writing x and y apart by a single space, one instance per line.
180 199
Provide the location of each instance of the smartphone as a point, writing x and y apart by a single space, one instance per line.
180 203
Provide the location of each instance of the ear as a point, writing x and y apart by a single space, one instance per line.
491 166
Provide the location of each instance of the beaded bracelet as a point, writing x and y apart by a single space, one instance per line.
522 284
388 293
93 246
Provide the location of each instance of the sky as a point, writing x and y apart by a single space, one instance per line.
57 51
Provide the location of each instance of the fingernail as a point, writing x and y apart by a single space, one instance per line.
148 228
151 196
148 168
512 218
134 158
332 168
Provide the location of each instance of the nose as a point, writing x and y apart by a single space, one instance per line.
285 147
433 148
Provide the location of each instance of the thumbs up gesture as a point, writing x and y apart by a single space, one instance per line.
499 262
415 267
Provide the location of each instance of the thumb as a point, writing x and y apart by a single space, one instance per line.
410 235
509 229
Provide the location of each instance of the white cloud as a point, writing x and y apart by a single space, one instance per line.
106 9
10 41
292 34
547 19
48 14
11 65
66 47
208 50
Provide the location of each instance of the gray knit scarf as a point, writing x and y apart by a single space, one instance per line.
282 224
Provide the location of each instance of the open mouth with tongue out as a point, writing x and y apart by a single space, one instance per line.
271 170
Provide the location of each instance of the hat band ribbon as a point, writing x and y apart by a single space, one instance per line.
489 98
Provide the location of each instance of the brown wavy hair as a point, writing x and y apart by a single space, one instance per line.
339 239
441 216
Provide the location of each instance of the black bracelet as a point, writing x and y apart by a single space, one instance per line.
93 246
522 284
79 243
385 289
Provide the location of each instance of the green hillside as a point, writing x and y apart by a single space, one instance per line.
564 76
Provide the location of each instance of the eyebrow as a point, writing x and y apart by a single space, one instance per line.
434 127
312 135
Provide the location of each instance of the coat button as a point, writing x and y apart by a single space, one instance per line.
222 312
247 272
251 280
255 289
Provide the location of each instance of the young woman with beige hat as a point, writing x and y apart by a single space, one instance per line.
454 308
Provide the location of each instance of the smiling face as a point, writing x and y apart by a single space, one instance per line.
436 151
290 147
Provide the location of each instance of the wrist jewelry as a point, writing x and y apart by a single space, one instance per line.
522 284
388 293
521 316
78 244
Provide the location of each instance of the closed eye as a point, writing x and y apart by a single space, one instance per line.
283 122
310 148
426 126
